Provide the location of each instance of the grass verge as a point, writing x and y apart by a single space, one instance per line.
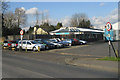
109 59
1 43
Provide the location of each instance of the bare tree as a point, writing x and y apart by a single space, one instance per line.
37 17
42 13
20 17
77 18
3 8
46 16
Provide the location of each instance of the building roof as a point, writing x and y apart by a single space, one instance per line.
74 29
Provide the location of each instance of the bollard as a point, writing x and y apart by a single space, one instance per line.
13 49
38 48
26 49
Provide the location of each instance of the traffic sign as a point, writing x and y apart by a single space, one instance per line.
21 32
108 26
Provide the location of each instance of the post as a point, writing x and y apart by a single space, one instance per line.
21 33
20 48
38 48
109 49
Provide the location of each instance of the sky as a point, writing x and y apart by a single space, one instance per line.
99 13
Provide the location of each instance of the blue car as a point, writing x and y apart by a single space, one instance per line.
69 41
60 42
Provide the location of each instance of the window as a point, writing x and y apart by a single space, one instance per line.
29 43
19 42
24 42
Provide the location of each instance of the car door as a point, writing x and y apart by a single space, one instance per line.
29 45
23 44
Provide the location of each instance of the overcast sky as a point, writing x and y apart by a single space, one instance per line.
99 13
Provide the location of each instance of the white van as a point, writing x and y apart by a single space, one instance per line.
30 45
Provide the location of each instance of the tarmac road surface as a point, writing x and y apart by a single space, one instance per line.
17 66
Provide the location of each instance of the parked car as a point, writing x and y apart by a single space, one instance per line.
57 44
60 42
82 41
72 41
76 41
30 45
5 44
14 45
69 41
57 39
48 44
10 44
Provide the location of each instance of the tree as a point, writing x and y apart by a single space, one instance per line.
3 8
59 25
47 27
31 29
37 17
81 21
77 19
9 20
20 17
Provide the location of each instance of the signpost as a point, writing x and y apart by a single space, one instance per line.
108 27
21 33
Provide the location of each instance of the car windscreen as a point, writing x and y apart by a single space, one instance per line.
46 41
53 41
33 42
13 41
40 42
5 41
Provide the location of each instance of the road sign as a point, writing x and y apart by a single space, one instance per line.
21 32
108 26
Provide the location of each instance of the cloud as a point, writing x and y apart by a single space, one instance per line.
26 28
66 21
23 8
100 22
102 4
31 10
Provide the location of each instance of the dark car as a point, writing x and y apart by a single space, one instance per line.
76 41
60 42
48 45
5 44
72 41
10 44
13 45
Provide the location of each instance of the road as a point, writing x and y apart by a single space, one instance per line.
98 49
18 66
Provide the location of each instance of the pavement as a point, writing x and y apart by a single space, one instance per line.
110 66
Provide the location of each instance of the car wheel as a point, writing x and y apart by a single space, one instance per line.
34 49
47 47
70 44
